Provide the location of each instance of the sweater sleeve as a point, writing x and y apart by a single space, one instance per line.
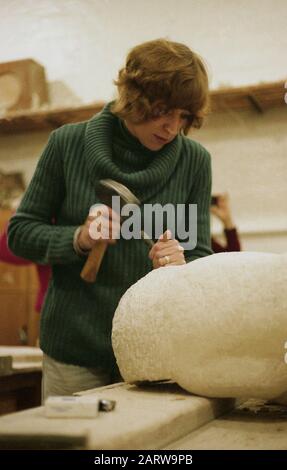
6 255
201 195
232 238
31 234
216 246
232 242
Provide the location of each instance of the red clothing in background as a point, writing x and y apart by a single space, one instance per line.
43 271
232 242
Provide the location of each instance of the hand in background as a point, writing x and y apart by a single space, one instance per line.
222 210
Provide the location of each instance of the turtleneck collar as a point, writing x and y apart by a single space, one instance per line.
131 142
113 152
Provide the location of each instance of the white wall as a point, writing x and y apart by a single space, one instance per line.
249 158
82 43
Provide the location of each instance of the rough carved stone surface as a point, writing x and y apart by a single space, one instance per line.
216 326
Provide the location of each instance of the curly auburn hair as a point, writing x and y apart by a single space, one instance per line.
166 73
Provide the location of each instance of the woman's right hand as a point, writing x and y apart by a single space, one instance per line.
102 224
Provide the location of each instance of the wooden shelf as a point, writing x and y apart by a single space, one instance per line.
46 119
259 98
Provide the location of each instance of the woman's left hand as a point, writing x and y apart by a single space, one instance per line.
166 252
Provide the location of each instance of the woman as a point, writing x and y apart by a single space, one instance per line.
137 141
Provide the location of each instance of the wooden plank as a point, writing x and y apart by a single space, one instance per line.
265 95
254 425
144 418
46 119
22 354
20 390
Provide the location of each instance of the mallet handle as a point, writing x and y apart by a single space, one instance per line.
93 263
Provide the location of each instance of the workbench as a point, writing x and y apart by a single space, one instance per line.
161 416
20 378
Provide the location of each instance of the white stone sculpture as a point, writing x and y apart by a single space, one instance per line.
217 326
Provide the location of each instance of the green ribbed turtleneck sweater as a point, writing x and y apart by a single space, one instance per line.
76 319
